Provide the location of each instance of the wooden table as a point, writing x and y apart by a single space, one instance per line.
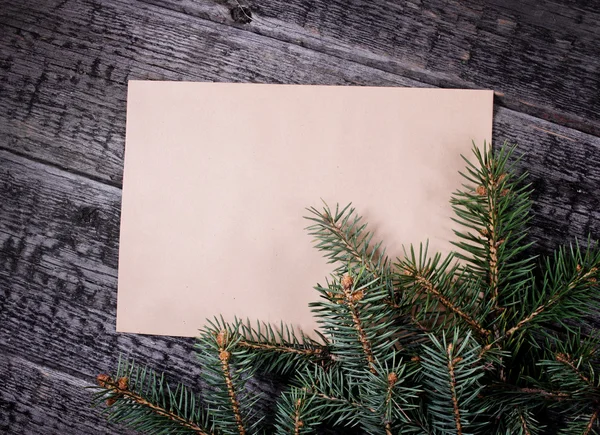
64 66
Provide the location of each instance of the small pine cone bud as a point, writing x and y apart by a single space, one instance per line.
123 383
300 423
222 338
579 268
561 357
450 347
481 190
111 401
103 380
501 178
357 295
298 403
499 242
504 192
593 270
416 358
224 356
347 281
593 280
392 378
336 297
484 232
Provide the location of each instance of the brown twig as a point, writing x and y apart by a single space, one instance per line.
590 425
333 227
121 389
524 424
544 393
566 359
317 352
553 300
451 365
224 357
491 235
392 379
362 336
428 287
298 424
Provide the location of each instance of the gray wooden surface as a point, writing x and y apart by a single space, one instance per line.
64 66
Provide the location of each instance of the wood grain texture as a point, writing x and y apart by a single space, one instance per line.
65 89
64 66
541 57
36 399
58 276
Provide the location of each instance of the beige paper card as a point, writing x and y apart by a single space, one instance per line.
217 178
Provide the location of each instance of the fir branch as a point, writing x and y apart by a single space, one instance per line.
524 424
567 360
494 212
452 372
391 396
378 370
361 325
451 366
568 288
224 357
345 239
546 394
351 297
282 348
295 414
298 424
228 404
138 397
429 288
519 421
119 391
276 350
582 424
422 277
335 395
592 421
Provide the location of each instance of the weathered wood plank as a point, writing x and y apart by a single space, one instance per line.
564 169
58 280
542 57
58 239
36 399
58 243
63 69
64 80
58 235
65 85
